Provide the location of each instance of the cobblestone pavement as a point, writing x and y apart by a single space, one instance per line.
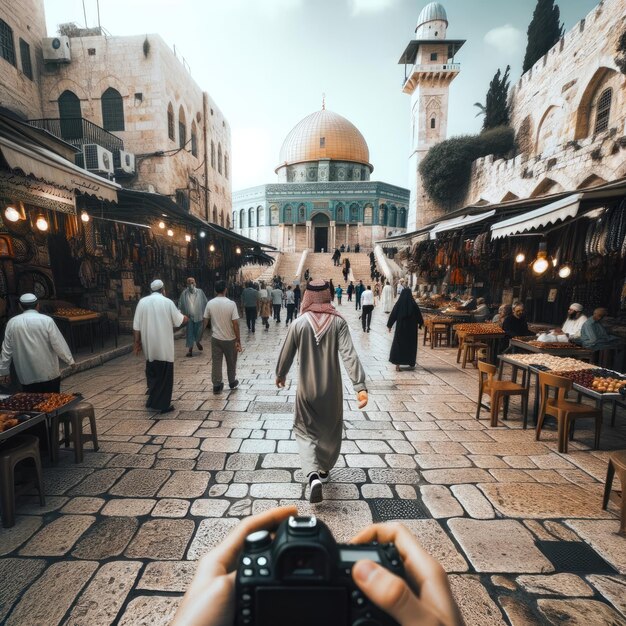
519 527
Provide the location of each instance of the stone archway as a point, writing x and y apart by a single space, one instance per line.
321 228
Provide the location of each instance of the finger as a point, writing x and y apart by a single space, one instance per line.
389 593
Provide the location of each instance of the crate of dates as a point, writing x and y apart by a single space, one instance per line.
42 402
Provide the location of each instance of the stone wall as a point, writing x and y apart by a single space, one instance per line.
18 92
555 112
150 77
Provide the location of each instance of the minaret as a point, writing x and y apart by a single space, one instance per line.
429 68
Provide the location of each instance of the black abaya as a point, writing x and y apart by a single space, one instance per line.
160 379
406 315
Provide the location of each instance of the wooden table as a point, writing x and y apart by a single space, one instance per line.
69 326
490 338
581 354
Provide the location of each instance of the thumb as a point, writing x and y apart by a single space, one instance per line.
388 592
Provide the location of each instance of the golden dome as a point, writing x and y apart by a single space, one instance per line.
324 135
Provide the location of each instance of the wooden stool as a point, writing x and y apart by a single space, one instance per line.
72 420
19 448
617 463
427 332
469 349
439 335
499 391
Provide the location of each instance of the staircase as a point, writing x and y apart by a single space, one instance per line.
320 265
286 265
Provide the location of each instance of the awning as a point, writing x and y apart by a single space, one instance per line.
549 214
45 165
460 222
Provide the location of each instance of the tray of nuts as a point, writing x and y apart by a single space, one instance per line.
43 402
14 422
480 328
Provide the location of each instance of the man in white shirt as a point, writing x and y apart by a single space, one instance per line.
34 344
574 322
192 303
367 305
153 327
225 340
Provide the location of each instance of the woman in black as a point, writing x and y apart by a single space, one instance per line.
406 315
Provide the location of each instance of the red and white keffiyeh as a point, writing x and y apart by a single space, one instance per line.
317 308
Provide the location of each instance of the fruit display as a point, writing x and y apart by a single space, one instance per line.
479 328
439 319
8 420
600 380
552 345
73 312
43 402
553 363
607 385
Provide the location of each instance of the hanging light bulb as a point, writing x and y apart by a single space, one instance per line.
565 271
187 238
84 216
12 214
238 250
42 223
212 248
170 232
541 263
520 258
202 234
161 225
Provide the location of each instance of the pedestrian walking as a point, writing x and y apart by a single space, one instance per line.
307 274
339 293
191 303
399 286
350 291
376 292
249 302
319 335
35 344
358 292
331 287
407 317
290 303
225 339
153 327
297 296
387 297
277 302
367 303
265 305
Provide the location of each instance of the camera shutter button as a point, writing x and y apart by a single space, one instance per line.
258 540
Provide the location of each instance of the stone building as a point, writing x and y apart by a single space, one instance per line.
324 196
176 141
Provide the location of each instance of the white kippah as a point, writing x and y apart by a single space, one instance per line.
28 298
157 284
576 307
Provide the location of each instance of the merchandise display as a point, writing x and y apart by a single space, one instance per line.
482 328
44 402
602 381
551 362
551 345
73 312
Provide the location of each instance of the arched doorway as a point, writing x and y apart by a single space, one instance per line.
321 225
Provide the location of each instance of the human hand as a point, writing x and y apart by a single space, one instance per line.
238 346
137 348
361 397
389 330
424 598
210 599
280 381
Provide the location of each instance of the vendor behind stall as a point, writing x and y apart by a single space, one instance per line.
481 313
35 344
515 325
574 322
594 336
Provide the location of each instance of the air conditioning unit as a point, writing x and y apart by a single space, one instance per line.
57 50
124 161
97 159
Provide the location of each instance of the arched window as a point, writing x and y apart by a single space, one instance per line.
226 165
235 221
219 158
170 121
194 139
242 218
392 216
260 221
302 213
287 215
274 215
214 214
339 213
228 222
382 215
212 155
7 47
71 116
251 217
222 218
603 111
368 214
354 212
402 218
433 122
112 110
182 128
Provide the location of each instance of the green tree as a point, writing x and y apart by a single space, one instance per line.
496 101
544 31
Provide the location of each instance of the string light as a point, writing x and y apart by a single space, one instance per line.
565 271
202 234
84 216
187 238
12 214
212 248
161 225
42 223
170 232
520 258
238 250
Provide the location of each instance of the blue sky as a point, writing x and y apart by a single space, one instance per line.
267 62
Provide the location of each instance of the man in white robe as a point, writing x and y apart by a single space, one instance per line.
387 297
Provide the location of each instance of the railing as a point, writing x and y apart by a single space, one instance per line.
78 131
446 67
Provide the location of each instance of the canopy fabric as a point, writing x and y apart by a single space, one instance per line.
45 165
459 222
548 214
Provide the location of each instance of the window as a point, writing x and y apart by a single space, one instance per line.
194 140
242 219
7 48
219 158
288 217
392 216
71 117
214 214
212 155
112 110
339 217
228 222
170 121
250 217
432 122
603 111
235 221
368 214
302 213
433 56
260 221
182 128
27 67
226 165
354 212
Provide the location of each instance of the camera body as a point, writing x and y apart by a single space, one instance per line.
304 577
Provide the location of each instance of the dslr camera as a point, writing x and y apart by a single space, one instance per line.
304 577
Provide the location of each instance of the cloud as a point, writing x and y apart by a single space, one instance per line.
358 7
506 39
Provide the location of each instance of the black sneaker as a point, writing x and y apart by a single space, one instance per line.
233 385
315 485
324 476
218 388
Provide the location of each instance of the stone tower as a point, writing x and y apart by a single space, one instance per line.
429 68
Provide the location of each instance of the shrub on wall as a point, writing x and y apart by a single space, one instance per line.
447 167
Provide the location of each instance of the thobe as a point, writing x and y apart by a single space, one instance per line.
35 344
572 328
155 318
192 304
387 298
318 421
